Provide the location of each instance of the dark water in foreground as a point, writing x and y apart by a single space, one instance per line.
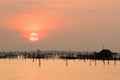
58 70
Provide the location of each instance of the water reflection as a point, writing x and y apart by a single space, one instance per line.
58 69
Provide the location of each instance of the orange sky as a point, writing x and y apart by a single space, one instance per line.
61 24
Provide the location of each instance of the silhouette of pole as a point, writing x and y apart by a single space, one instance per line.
33 56
108 61
95 62
103 62
39 62
90 62
66 63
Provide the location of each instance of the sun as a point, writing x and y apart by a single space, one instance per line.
33 37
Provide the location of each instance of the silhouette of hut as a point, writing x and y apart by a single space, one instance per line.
104 54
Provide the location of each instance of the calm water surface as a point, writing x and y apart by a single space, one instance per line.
57 70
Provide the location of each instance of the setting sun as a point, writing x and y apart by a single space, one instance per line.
33 37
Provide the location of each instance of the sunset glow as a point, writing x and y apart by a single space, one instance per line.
60 24
27 24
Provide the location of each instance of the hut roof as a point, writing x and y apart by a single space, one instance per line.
105 51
